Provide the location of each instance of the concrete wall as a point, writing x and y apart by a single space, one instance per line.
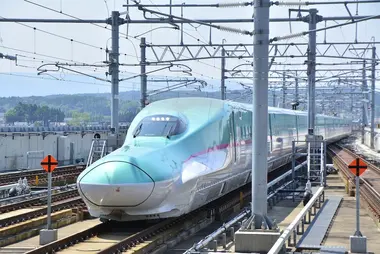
25 150
367 139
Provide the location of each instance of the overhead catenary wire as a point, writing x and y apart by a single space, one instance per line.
311 3
73 81
218 5
223 28
105 27
39 54
90 45
295 35
96 24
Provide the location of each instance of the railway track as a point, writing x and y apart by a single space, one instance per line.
115 237
142 236
15 224
60 173
67 208
369 181
56 206
37 201
35 194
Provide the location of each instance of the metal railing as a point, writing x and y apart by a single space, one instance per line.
283 176
274 187
203 243
294 228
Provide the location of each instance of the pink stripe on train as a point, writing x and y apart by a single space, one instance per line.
219 147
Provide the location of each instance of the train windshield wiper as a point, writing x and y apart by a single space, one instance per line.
170 130
137 132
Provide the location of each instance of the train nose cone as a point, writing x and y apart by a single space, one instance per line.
116 183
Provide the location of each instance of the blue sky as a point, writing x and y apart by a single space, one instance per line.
37 47
27 84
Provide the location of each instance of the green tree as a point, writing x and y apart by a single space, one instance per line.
11 116
79 118
32 112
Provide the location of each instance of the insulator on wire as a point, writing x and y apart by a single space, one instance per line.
290 4
234 30
290 36
233 5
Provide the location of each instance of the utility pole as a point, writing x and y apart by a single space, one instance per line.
313 19
351 98
260 115
323 105
114 70
306 95
223 75
373 104
265 232
364 85
115 21
143 77
283 90
296 84
335 107
274 96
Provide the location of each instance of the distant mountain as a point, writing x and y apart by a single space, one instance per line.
99 104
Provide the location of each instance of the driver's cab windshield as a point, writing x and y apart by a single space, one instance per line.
160 125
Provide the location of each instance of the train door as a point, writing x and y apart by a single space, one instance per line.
233 136
297 128
270 146
238 136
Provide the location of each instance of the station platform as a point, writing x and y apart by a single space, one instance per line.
284 212
339 230
34 242
344 223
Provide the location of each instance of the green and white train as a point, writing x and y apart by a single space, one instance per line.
182 153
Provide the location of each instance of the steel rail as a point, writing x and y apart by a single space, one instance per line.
129 241
370 165
40 212
71 239
38 170
220 205
37 200
35 194
62 173
354 156
367 192
15 176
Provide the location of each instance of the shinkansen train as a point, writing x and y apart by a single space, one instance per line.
182 153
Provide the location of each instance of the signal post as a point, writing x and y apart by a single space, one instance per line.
48 235
358 242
